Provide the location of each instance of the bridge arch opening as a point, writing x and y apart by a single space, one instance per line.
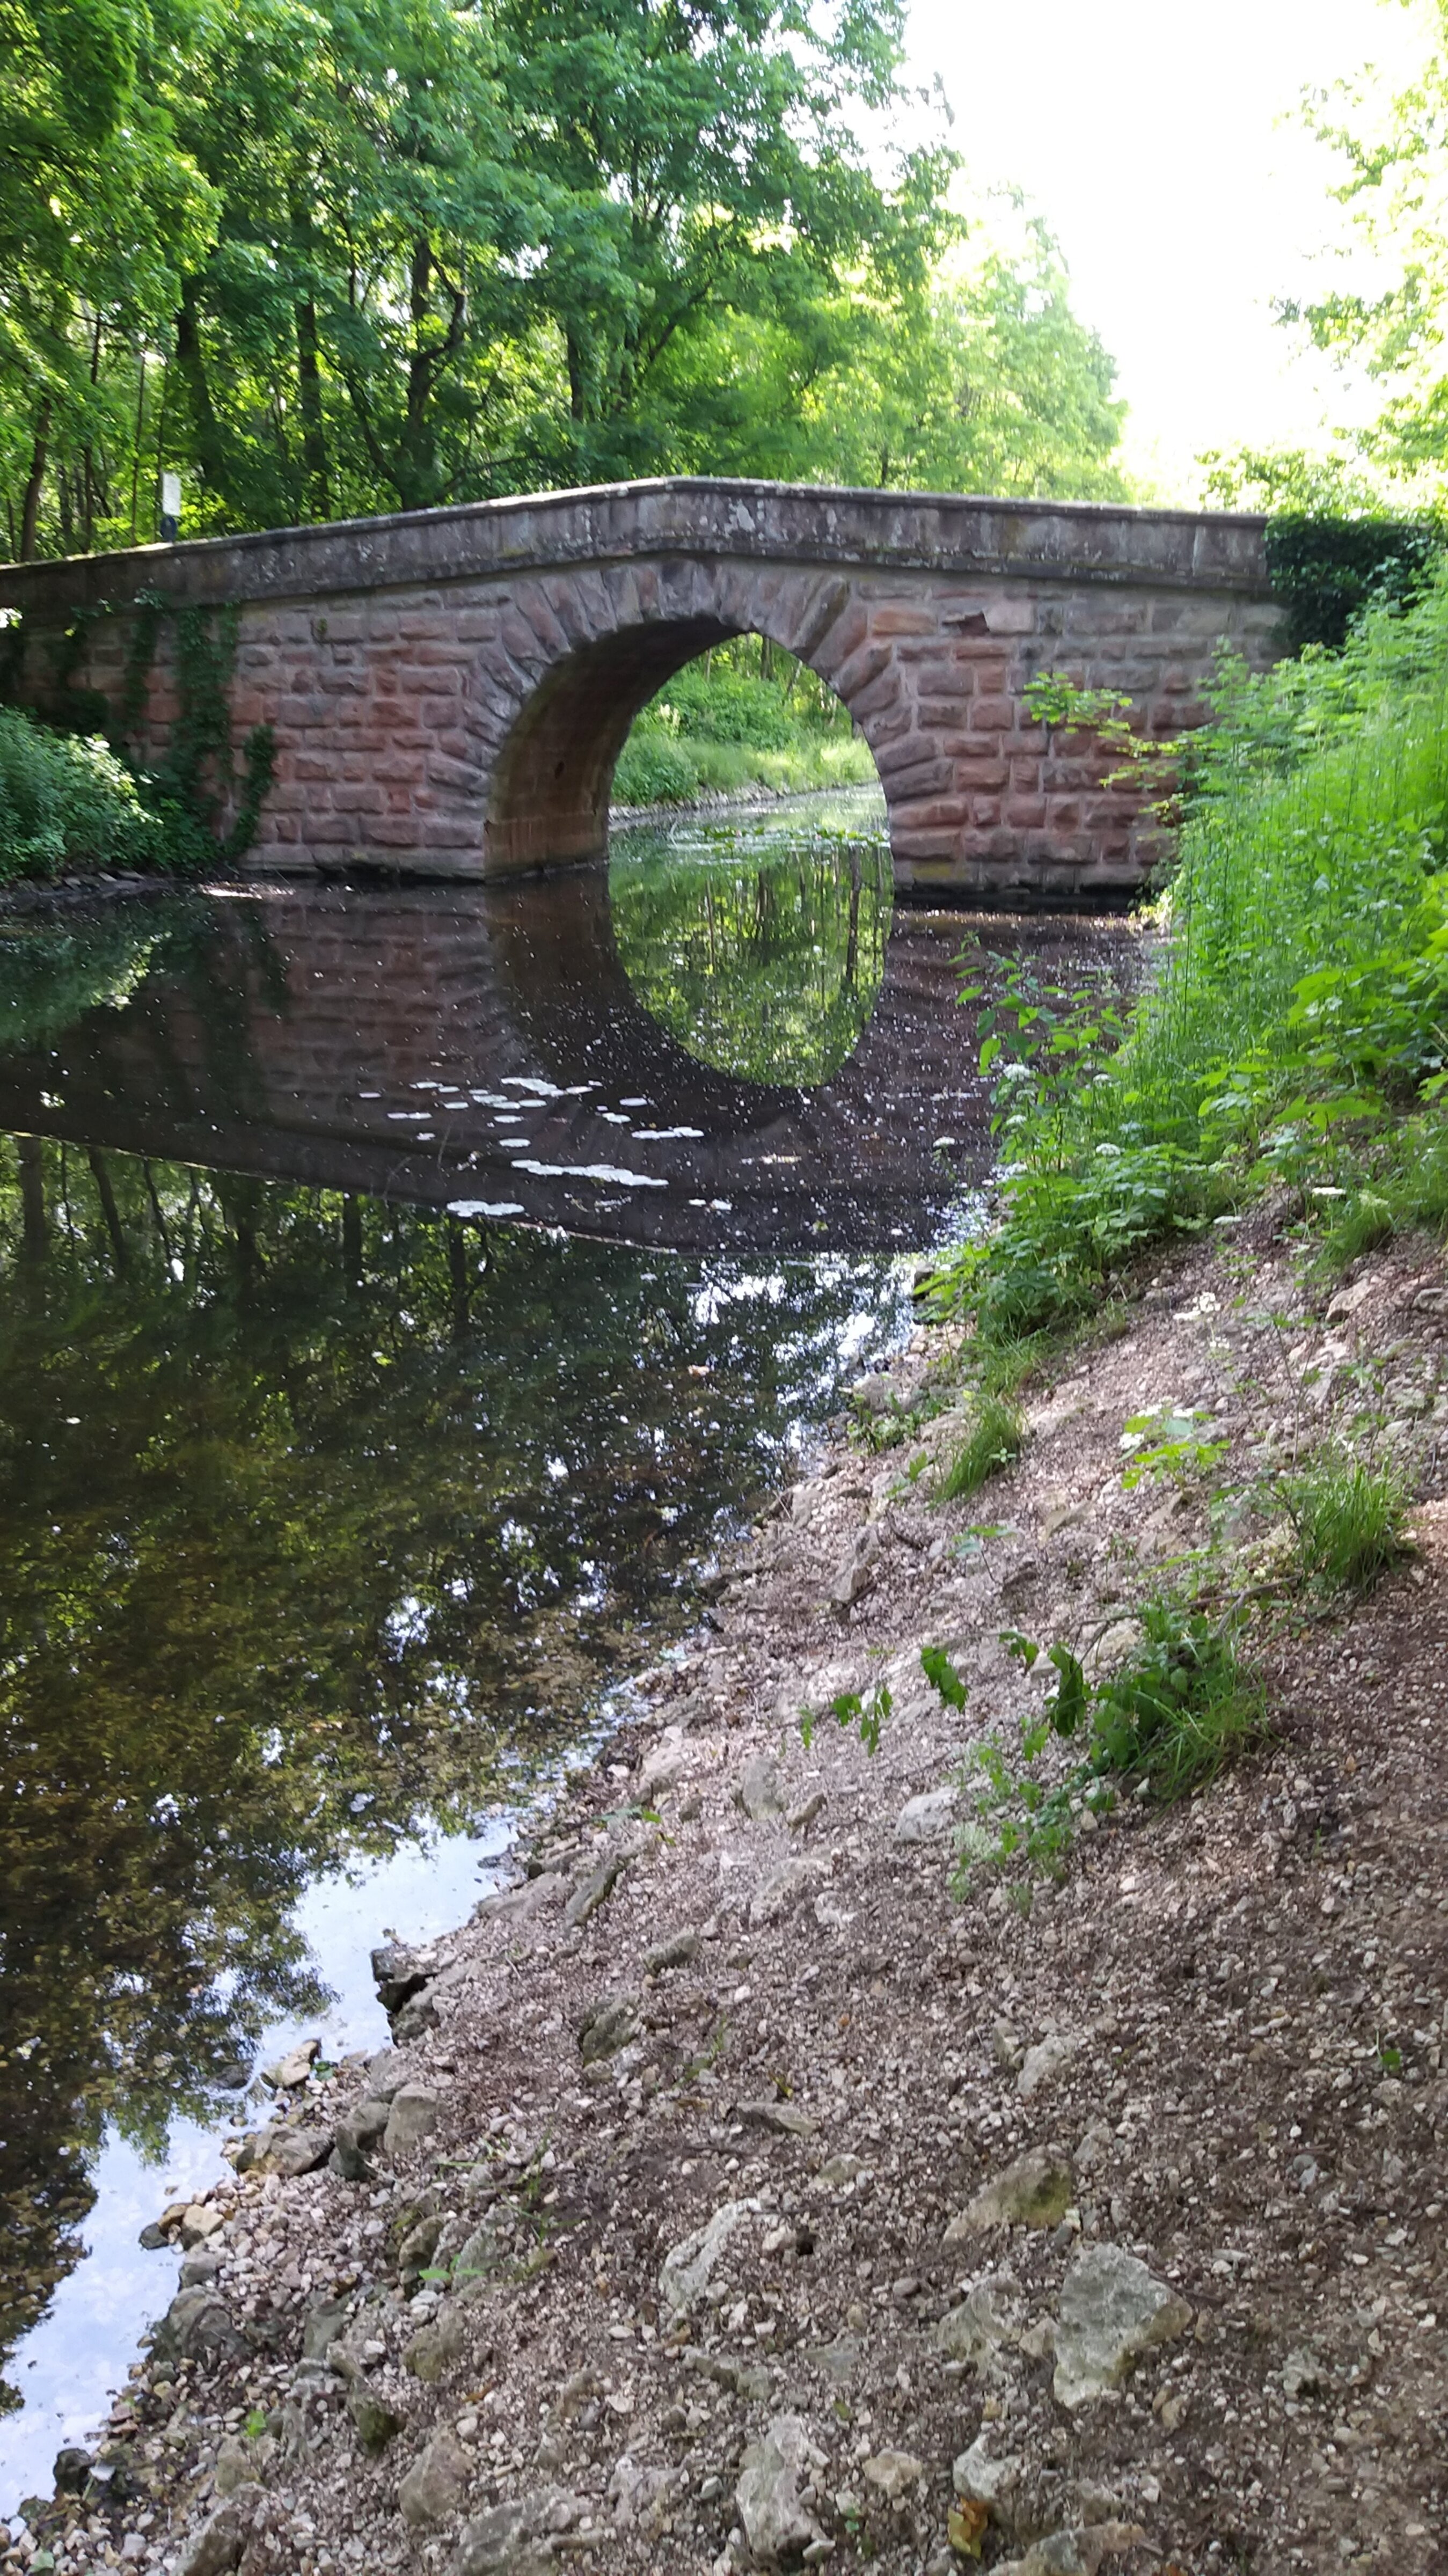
754 938
554 776
758 951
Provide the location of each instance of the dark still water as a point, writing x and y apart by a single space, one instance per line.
402 1294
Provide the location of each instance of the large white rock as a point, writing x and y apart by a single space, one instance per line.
1112 2310
777 2523
688 2267
928 1818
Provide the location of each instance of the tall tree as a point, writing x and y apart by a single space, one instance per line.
1394 183
98 207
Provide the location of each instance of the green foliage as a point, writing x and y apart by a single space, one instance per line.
1164 1723
746 714
653 769
731 705
1348 1518
1391 174
1328 569
330 260
979 379
1178 1707
1296 1006
940 1672
68 803
864 1713
995 1437
1050 1041
1167 1441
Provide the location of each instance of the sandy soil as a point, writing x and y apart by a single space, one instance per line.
667 2255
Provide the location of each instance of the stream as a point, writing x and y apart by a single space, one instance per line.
404 1293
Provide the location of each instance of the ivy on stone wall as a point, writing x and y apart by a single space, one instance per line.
1326 570
200 764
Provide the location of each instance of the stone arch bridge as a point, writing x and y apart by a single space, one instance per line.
450 689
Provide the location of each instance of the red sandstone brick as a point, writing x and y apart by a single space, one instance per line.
454 773
993 715
859 670
918 814
901 621
925 778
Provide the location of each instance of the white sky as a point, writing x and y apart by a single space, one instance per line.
1159 142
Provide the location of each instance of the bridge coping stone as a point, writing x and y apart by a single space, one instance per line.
1074 541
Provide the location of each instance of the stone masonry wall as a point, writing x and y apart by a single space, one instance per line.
449 691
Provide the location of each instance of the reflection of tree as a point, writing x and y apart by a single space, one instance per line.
766 968
318 1519
57 977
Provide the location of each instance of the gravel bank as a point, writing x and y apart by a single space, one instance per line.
736 2195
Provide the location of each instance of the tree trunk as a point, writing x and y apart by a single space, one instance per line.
100 1173
577 387
191 359
32 1198
309 370
34 483
309 396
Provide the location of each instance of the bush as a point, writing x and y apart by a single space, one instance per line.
1299 1002
1165 1722
1177 1708
1327 569
68 803
653 770
731 706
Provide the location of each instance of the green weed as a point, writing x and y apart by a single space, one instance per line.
1296 1017
1347 1516
995 1437
1170 1440
867 1714
1164 1723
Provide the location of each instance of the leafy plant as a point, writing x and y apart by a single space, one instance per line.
1298 1003
938 1669
1178 1707
65 802
1347 1515
1042 1040
995 1437
1167 1440
1164 1722
868 1713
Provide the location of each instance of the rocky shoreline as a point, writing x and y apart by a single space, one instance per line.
735 2194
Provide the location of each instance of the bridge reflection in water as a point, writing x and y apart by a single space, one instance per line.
485 1048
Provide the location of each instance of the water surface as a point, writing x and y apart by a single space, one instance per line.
403 1292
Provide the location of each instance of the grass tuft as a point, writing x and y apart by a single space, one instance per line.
1348 1519
1179 1707
996 1436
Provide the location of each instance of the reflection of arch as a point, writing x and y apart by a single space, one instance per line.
584 655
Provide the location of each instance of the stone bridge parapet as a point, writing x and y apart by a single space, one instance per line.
449 690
